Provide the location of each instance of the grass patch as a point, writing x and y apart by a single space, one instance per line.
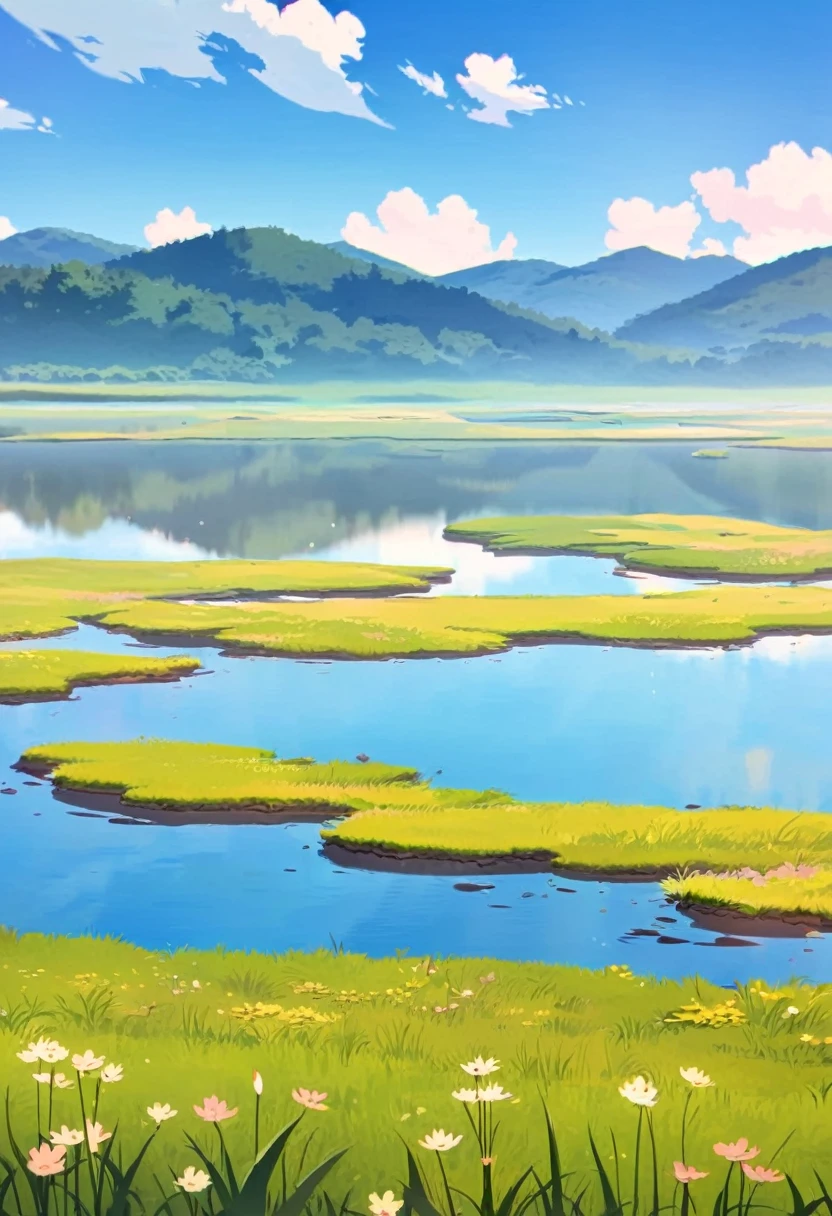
693 544
27 675
794 894
385 1040
459 625
392 810
42 596
711 454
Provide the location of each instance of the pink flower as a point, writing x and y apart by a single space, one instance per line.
214 1111
310 1098
736 1152
687 1173
46 1160
759 1173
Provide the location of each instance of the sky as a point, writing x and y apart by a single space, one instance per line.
443 134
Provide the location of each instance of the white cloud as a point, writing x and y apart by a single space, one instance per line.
170 226
635 222
19 120
303 46
710 248
431 84
451 238
495 84
786 205
7 228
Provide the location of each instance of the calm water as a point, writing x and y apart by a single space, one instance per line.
571 722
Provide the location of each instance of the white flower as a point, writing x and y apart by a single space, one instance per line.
257 1082
494 1093
159 1113
88 1062
440 1141
96 1136
67 1137
42 1078
386 1205
481 1067
466 1095
193 1180
791 1012
695 1077
62 1082
111 1073
639 1091
48 1050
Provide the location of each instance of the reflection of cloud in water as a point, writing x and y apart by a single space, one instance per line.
419 542
758 769
114 539
783 649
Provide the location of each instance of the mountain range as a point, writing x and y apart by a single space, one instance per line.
261 304
52 246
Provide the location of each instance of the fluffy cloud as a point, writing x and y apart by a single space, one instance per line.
710 248
303 47
19 120
495 84
7 228
170 226
786 205
431 84
635 221
451 238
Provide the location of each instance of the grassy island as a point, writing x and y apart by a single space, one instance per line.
45 675
461 625
390 812
384 1041
41 596
683 544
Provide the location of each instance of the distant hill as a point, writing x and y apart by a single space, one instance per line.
791 297
602 294
364 255
261 304
52 246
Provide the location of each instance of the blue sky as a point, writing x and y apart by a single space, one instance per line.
668 91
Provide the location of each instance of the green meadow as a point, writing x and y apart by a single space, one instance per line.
384 1041
690 544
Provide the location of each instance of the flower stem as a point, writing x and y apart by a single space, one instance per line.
655 1209
685 1123
86 1134
637 1161
448 1195
256 1126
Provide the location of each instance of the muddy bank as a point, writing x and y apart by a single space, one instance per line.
435 861
734 920
165 677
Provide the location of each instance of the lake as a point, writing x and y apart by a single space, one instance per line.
568 722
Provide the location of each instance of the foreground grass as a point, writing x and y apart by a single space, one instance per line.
691 544
41 596
27 675
391 810
460 625
385 1040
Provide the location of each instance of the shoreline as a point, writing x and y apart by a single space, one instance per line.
34 698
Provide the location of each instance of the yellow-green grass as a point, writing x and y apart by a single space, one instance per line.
223 777
34 675
794 896
460 625
690 544
711 453
383 1039
392 810
41 596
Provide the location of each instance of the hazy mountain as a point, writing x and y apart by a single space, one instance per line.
602 294
52 246
260 304
364 255
789 298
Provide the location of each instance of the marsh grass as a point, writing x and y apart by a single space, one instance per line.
43 674
688 543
